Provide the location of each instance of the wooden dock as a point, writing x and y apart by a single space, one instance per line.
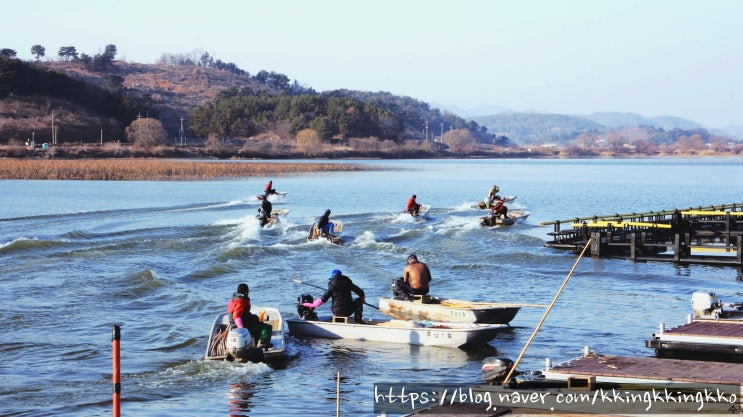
607 385
646 371
711 235
710 339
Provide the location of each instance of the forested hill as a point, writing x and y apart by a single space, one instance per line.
92 99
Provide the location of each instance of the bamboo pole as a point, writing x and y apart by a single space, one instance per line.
546 312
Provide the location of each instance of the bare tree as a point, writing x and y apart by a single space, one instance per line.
309 142
146 133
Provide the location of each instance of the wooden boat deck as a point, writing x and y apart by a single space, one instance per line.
645 368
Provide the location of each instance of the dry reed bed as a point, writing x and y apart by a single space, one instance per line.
154 169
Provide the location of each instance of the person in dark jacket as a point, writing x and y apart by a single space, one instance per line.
264 213
340 288
239 309
324 226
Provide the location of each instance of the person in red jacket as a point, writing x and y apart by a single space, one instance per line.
239 306
412 207
499 208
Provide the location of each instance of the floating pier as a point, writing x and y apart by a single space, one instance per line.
715 339
711 235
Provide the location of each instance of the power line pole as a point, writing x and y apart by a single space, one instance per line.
180 132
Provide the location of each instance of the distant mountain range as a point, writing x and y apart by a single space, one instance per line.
534 126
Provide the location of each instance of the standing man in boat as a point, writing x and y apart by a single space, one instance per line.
415 278
340 288
239 307
493 195
413 207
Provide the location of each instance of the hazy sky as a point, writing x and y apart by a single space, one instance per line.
677 57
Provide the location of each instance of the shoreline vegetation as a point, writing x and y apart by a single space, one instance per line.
157 169
112 162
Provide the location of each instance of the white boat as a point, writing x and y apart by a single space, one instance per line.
273 219
334 238
422 210
448 310
397 331
228 344
513 217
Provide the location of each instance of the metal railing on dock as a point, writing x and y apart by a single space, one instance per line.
711 235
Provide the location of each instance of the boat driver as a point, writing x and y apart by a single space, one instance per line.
415 279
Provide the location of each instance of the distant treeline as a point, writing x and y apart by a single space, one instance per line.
246 112
340 113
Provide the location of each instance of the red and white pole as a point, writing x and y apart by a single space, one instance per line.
116 372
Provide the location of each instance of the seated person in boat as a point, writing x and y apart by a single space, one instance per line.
264 213
239 306
493 195
499 209
413 207
415 279
340 288
324 226
268 189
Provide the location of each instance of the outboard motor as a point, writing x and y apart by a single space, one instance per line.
706 304
397 292
240 346
494 370
306 313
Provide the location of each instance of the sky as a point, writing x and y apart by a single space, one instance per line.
680 58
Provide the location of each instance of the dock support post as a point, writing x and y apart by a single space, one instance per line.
633 247
738 254
116 337
595 241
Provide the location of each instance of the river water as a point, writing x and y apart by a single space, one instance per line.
162 258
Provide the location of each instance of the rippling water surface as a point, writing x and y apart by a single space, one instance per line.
162 258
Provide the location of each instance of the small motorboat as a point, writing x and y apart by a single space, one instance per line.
273 218
428 333
422 210
448 310
236 345
335 237
513 217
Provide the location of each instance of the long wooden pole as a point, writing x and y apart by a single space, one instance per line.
116 337
546 312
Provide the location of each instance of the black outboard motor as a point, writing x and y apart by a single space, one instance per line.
306 313
397 292
495 370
